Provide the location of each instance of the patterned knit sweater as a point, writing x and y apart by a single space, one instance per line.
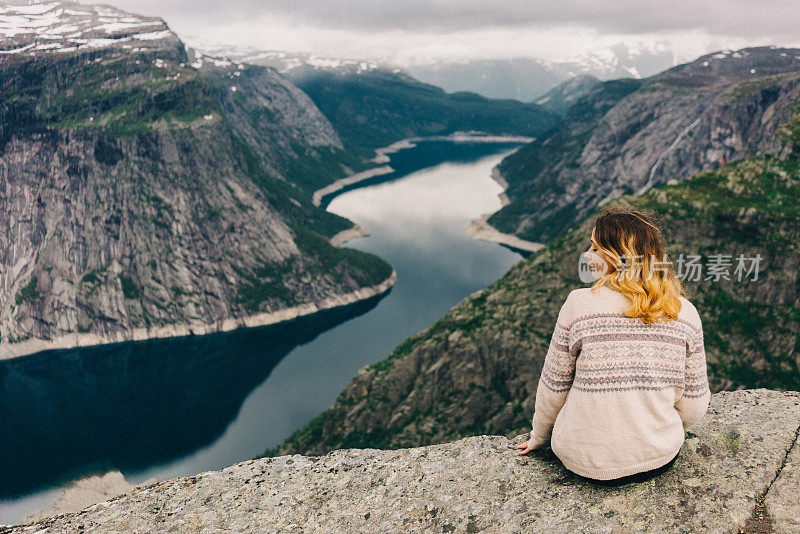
616 394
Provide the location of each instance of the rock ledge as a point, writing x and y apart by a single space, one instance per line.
737 470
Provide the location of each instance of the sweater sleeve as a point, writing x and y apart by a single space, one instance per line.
692 404
558 372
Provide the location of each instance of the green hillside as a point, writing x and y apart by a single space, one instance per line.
376 108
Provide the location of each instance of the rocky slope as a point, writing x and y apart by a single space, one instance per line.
626 136
144 194
736 472
476 370
560 98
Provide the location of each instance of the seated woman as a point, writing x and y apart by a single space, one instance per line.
625 372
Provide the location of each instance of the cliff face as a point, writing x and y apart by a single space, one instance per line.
626 136
144 194
737 470
476 370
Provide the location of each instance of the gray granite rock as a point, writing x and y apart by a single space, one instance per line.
728 464
783 499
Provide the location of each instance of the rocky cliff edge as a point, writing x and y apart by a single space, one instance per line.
739 470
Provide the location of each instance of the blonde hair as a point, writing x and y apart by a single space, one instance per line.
634 247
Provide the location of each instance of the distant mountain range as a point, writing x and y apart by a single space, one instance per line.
524 79
527 79
295 64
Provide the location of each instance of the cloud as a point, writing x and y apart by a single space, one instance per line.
744 18
507 28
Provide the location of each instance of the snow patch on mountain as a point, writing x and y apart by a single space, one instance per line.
65 26
292 62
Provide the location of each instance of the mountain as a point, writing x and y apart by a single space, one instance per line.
373 104
560 98
476 370
144 194
375 108
528 79
523 79
294 64
626 136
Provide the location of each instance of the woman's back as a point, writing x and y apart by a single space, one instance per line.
626 369
616 392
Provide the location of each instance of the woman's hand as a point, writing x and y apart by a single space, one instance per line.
525 445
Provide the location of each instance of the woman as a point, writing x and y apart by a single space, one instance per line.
625 373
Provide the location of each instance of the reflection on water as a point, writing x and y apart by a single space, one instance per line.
129 406
167 408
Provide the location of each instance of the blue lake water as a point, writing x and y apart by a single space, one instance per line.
166 408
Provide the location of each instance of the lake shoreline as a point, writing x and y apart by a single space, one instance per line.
482 229
479 228
351 179
29 347
347 235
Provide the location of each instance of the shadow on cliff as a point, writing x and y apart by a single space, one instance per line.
68 413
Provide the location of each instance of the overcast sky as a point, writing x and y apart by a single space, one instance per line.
412 30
